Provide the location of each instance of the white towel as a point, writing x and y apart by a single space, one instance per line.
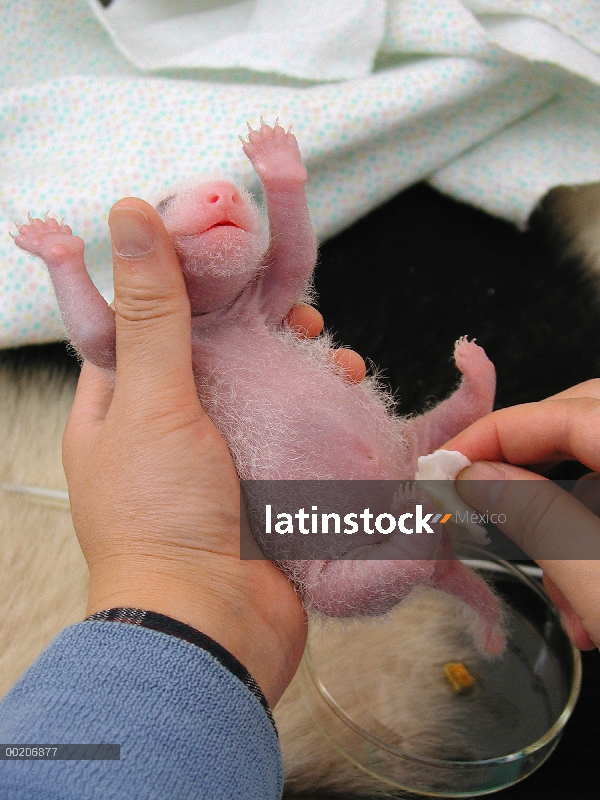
307 38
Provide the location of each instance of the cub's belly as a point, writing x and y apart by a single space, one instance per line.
302 421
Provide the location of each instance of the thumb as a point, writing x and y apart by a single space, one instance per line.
152 310
571 621
542 518
549 524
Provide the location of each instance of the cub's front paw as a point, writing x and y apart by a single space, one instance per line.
50 240
274 155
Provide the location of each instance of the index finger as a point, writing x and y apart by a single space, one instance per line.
90 405
536 433
93 395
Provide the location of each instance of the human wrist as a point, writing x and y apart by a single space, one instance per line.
198 594
220 599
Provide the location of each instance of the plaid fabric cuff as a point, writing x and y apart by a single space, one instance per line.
172 627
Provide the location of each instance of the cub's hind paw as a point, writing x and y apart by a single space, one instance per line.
479 374
49 239
468 354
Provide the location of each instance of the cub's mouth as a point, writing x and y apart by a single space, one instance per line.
224 224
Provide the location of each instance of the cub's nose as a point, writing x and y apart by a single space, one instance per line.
219 193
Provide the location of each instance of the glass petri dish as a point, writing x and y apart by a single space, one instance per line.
404 724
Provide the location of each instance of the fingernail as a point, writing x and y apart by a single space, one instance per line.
130 232
567 625
481 484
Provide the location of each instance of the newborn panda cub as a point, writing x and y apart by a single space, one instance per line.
284 408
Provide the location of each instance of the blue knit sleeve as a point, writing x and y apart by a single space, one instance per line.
187 727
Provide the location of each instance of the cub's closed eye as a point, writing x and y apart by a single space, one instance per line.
164 204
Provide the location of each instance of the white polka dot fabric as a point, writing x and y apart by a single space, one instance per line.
380 95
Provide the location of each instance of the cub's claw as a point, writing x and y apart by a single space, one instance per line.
274 154
466 351
47 238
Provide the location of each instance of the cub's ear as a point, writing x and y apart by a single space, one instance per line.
163 205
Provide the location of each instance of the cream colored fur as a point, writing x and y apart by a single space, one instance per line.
43 584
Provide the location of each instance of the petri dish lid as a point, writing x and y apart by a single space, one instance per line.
397 716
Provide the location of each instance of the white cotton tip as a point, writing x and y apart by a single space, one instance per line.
443 465
435 475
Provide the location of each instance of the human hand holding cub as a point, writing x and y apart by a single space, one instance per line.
154 494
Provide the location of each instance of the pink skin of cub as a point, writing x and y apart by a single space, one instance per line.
285 410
